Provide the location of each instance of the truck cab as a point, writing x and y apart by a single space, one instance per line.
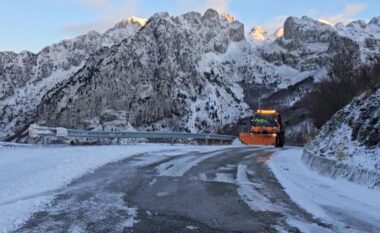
266 129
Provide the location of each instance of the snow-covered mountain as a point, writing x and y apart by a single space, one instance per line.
349 144
309 46
26 77
258 34
192 72
160 79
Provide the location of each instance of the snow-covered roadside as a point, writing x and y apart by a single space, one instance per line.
347 206
31 175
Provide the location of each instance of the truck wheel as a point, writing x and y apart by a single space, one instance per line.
281 139
277 141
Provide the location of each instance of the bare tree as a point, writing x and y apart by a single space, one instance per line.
343 84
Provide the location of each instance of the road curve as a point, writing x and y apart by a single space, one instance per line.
230 190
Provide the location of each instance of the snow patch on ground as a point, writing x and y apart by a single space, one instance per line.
341 148
178 167
219 177
354 208
31 175
192 228
237 142
348 145
254 199
307 227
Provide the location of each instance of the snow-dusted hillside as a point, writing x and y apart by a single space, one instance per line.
153 80
349 144
309 46
26 77
32 175
192 72
347 206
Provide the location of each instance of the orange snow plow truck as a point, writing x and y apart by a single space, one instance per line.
266 129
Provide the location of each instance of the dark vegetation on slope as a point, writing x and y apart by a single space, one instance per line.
348 144
342 85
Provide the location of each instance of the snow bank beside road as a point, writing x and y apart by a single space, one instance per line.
31 175
347 206
348 145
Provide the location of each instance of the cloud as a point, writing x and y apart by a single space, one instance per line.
346 15
110 15
272 25
219 5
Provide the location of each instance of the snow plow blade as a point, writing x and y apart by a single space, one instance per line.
257 139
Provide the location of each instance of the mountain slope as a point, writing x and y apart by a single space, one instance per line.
26 77
349 144
192 72
153 80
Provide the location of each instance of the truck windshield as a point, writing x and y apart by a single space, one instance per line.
261 120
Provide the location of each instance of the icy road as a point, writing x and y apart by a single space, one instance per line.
189 189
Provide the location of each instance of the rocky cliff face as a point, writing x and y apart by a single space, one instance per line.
193 72
258 34
310 47
349 144
26 77
157 80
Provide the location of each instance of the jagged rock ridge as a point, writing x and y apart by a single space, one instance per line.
153 79
193 72
26 77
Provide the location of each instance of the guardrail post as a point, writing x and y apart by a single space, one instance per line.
207 139
172 141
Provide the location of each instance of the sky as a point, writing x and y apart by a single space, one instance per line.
33 24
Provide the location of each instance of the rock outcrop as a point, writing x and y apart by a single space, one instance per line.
26 77
258 34
348 145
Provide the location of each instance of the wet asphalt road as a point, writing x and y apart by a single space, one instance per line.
230 190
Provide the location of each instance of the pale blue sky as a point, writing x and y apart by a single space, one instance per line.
33 24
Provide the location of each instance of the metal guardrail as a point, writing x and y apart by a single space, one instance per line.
40 131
